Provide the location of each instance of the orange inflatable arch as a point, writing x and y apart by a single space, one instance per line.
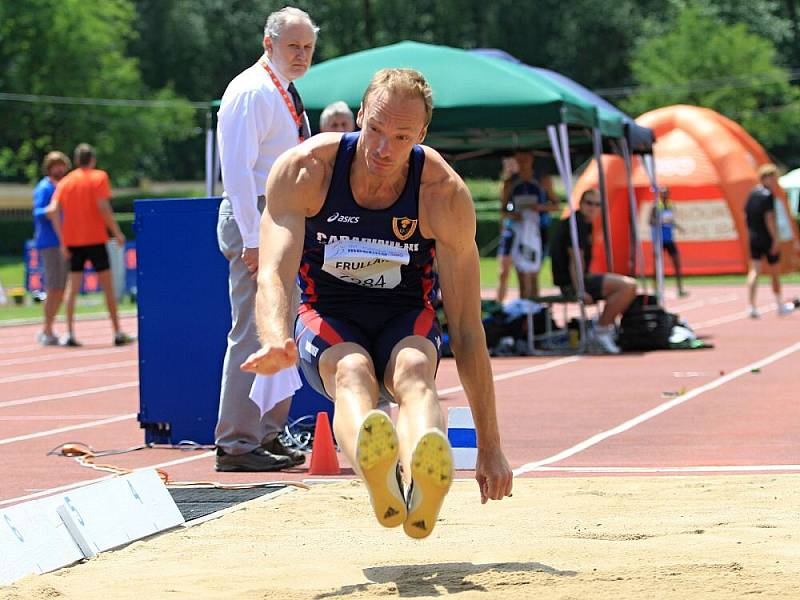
709 163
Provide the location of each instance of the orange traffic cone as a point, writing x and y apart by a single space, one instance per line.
323 452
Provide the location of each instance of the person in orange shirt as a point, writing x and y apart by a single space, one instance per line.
82 199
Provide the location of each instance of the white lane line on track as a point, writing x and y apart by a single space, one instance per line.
38 434
519 372
510 374
692 469
74 394
62 356
73 371
15 418
98 344
694 304
82 329
70 486
737 316
661 408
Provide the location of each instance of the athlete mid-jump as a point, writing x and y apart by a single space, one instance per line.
363 215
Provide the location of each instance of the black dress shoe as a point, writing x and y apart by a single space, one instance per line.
276 447
258 460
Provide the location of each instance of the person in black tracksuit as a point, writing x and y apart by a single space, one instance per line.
764 242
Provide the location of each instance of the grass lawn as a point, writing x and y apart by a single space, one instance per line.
12 275
12 272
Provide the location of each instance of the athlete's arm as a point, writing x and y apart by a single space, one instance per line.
108 219
293 186
53 212
772 227
449 215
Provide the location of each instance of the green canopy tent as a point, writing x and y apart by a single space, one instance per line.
480 103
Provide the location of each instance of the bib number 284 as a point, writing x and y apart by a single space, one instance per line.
378 281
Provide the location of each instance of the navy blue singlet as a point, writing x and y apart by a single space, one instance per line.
354 257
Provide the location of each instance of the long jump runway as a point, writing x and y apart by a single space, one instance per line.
665 473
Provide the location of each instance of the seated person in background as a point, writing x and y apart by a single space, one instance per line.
337 117
617 290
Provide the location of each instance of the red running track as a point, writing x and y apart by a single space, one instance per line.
729 409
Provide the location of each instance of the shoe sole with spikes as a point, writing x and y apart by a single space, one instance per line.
377 453
431 476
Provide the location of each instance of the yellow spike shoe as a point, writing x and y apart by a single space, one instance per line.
431 476
377 454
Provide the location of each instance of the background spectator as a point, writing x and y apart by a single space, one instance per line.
83 198
337 117
54 166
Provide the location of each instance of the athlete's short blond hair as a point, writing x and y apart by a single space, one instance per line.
406 81
766 170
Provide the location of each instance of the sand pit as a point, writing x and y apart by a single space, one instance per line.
610 537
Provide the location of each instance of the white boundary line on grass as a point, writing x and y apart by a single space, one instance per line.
654 412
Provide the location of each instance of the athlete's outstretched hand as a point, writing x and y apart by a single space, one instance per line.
270 358
493 474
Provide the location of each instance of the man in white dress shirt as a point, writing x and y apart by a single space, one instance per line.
260 116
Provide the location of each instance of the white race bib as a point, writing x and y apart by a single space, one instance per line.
368 264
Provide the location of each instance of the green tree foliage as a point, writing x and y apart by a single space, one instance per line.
705 62
748 50
78 49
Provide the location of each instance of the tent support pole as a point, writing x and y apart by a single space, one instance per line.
217 169
209 155
634 263
559 140
597 146
658 242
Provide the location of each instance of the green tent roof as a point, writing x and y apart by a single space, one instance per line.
479 102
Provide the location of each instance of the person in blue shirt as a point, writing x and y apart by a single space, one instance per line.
54 166
668 225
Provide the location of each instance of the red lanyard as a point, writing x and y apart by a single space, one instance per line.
298 119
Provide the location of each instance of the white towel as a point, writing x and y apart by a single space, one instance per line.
526 251
268 390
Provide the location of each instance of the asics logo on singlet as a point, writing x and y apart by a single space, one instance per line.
342 218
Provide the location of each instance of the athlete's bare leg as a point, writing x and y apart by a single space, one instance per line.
52 303
73 287
366 436
111 300
752 284
424 449
504 269
410 378
348 375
